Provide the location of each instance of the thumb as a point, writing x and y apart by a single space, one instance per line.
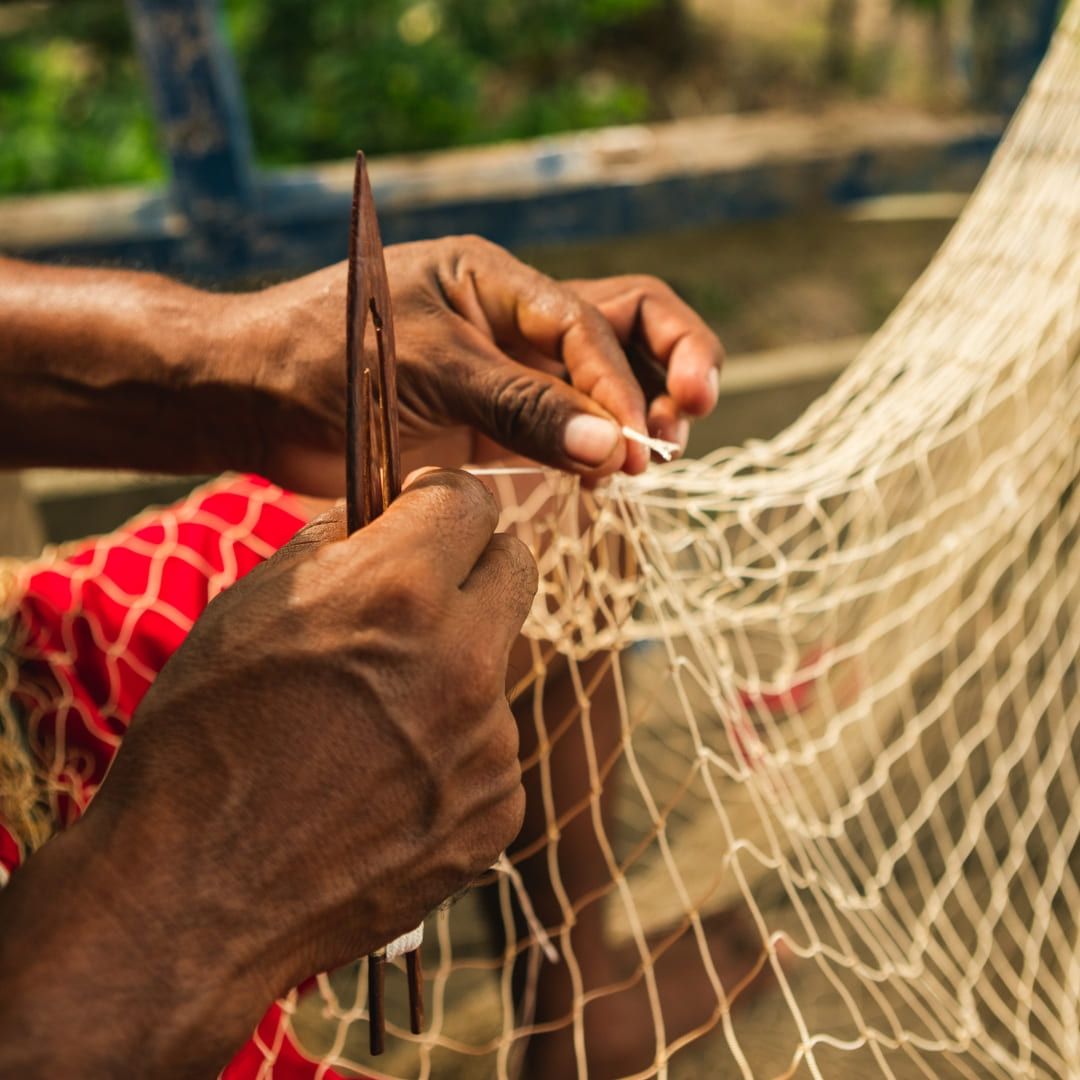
326 528
541 417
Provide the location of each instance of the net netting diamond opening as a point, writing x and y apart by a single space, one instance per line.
799 719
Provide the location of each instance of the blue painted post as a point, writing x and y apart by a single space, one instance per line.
1010 39
1046 23
204 128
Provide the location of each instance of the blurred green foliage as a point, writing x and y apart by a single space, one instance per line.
72 107
390 75
323 77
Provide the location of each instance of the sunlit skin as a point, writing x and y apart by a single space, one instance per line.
155 959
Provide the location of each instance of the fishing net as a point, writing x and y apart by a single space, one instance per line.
799 719
842 665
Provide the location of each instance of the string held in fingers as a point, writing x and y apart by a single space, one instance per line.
667 450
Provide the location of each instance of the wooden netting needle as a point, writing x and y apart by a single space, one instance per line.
373 470
416 991
377 1002
373 453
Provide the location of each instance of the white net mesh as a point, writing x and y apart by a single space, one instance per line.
800 720
842 666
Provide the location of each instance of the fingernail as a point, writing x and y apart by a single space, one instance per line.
417 474
680 432
713 382
590 439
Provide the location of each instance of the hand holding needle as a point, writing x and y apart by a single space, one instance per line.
373 480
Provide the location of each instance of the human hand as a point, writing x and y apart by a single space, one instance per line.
377 749
486 346
327 757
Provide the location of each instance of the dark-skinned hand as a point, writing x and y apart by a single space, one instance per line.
328 756
486 346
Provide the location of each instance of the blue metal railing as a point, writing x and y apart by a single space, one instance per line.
220 218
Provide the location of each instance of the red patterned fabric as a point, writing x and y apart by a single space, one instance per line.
95 625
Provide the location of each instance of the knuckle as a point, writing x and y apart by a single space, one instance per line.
315 583
320 531
719 352
521 575
477 242
521 405
594 323
509 814
453 492
474 501
576 310
647 283
481 670
467 250
404 599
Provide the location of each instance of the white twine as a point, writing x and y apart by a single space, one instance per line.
407 943
415 938
504 866
667 450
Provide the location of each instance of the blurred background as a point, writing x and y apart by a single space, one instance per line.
788 166
323 78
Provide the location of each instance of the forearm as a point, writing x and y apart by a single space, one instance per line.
117 369
102 979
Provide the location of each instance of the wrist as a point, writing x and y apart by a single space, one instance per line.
119 369
108 968
287 342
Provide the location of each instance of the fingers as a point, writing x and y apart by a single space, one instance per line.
523 311
542 367
534 413
666 421
325 528
442 521
644 312
505 574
